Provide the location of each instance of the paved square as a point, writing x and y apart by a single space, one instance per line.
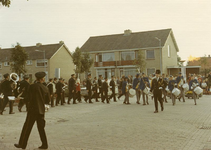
116 126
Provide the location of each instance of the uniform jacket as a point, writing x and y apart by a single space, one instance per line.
88 84
124 84
144 82
24 87
191 83
38 97
105 86
71 85
135 82
171 84
59 86
156 85
7 88
100 83
50 87
112 84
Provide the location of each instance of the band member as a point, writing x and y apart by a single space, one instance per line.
136 86
105 91
51 92
59 92
171 86
78 90
125 90
72 89
165 81
157 86
7 91
55 80
89 89
94 89
24 87
100 83
113 85
120 86
38 97
144 84
192 85
64 86
180 82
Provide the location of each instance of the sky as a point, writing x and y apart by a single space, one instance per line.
74 21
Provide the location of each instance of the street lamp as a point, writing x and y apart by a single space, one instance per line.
43 51
161 69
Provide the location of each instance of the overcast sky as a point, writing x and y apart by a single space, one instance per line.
74 21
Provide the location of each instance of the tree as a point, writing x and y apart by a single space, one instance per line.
76 55
140 61
86 62
5 3
18 59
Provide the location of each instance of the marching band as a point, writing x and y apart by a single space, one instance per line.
158 86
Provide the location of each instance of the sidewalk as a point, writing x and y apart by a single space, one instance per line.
116 126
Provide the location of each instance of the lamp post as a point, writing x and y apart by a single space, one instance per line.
43 51
161 69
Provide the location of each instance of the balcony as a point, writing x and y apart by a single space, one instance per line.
113 63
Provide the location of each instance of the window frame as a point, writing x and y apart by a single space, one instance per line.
29 64
150 57
134 55
6 63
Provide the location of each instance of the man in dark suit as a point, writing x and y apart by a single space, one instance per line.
157 86
89 89
113 85
72 89
24 87
50 88
7 89
100 83
38 96
59 91
105 90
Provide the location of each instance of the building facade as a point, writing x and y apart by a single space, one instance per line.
54 59
115 54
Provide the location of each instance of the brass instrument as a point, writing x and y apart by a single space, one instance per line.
15 78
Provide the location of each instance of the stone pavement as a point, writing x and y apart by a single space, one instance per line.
116 126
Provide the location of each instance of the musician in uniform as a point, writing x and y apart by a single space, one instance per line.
59 92
157 86
136 83
50 88
165 81
192 85
121 87
144 84
78 90
94 89
125 90
89 89
100 83
171 86
113 85
38 96
180 82
7 89
105 91
72 89
24 87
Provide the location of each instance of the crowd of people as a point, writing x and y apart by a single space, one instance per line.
40 94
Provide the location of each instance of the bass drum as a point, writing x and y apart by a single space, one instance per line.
198 90
84 92
204 85
167 89
185 87
146 90
132 92
176 92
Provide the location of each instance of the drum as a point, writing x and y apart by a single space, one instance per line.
167 89
84 92
132 92
185 87
146 90
109 92
204 85
198 90
176 92
11 98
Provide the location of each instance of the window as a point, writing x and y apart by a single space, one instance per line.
42 63
150 54
169 51
6 63
0 65
29 62
150 71
127 56
108 57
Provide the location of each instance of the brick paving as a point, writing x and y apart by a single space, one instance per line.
116 126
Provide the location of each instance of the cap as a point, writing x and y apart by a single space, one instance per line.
26 76
40 75
143 73
72 75
60 78
157 71
6 75
137 74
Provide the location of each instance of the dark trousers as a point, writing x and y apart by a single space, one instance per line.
113 95
59 98
52 100
158 97
71 96
89 96
105 97
21 103
95 95
101 93
78 96
6 101
1 104
27 127
120 95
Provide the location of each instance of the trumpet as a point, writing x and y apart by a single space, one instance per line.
15 78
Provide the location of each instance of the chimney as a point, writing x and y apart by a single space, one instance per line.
38 44
127 32
61 42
